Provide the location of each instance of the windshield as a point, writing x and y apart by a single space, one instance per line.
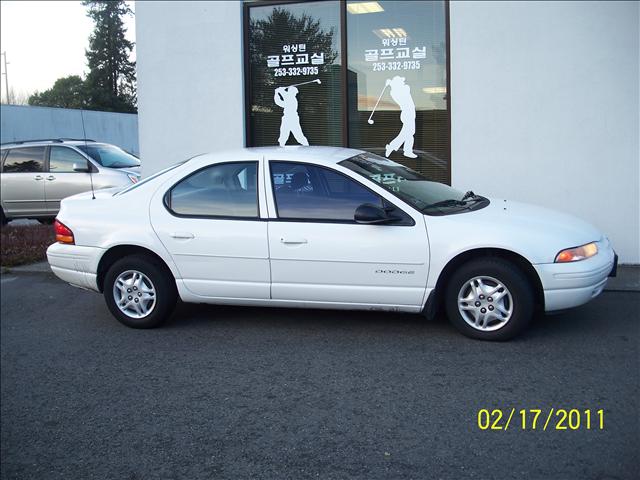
148 179
424 195
110 156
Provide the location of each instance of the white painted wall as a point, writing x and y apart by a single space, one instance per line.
190 80
544 100
545 108
20 122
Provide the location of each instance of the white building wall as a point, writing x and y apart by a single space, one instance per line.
545 108
544 100
190 79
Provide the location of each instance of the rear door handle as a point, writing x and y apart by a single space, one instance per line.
181 235
293 241
38 177
51 177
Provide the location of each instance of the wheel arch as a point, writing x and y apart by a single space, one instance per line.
435 300
119 251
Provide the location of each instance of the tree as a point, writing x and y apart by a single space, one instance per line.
67 92
110 84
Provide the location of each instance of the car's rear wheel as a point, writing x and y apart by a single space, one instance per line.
489 299
3 218
139 292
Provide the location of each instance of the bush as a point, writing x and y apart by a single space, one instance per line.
24 244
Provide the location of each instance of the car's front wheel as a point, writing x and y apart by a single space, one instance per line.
139 292
489 299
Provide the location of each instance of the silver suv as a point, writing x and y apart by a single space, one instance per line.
35 175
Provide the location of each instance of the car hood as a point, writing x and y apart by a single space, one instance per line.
537 233
132 170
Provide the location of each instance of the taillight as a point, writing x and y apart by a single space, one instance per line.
63 233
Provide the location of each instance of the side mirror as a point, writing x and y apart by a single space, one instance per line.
81 168
371 215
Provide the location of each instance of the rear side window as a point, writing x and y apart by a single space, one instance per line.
309 192
61 160
24 160
223 190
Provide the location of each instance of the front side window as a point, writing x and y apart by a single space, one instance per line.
223 190
62 159
24 160
110 156
308 192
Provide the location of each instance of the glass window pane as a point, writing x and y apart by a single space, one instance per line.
110 155
227 190
397 83
308 192
61 160
24 160
294 74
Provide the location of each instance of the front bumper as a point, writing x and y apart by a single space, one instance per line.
568 285
75 264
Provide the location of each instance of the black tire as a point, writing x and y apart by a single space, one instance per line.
162 281
516 283
3 219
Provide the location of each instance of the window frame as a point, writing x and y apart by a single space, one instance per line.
344 67
45 156
407 220
166 198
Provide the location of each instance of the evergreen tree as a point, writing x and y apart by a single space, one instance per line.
67 92
110 84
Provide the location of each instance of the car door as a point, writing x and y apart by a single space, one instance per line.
210 223
60 180
23 182
320 254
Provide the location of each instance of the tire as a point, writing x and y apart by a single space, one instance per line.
3 219
476 313
153 309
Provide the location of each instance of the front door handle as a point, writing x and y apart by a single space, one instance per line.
38 177
51 177
181 235
293 241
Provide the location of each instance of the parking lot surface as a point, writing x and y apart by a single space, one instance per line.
230 392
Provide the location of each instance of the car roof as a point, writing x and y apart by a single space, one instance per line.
316 154
47 141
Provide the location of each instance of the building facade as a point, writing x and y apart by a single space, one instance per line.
533 101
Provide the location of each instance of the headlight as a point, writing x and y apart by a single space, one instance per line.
577 253
133 178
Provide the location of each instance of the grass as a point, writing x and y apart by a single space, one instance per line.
24 244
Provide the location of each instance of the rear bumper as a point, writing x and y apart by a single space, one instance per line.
568 285
74 264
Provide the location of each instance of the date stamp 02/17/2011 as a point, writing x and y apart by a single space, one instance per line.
540 419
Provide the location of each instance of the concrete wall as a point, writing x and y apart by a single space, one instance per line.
545 108
190 79
31 123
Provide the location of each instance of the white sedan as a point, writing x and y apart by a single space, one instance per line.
323 227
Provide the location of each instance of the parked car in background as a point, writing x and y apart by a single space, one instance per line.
36 175
323 227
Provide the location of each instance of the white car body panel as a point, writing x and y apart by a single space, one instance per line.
319 264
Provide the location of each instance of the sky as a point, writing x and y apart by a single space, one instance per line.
45 40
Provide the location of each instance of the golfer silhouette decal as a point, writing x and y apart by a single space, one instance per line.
285 97
401 94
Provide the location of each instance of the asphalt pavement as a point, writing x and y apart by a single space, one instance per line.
231 392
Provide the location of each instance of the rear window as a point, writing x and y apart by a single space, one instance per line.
24 160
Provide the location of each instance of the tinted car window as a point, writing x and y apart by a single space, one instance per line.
61 159
304 191
228 190
24 160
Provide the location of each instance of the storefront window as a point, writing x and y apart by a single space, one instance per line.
388 96
397 83
295 74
